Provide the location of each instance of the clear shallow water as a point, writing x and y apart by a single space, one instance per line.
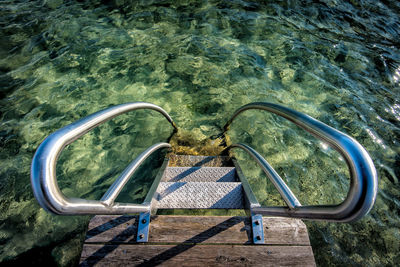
337 61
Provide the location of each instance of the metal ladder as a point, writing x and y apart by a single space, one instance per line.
199 186
200 182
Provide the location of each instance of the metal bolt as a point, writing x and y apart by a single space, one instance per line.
141 236
258 237
144 221
257 222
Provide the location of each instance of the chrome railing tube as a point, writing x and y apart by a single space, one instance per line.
114 190
363 176
43 168
274 177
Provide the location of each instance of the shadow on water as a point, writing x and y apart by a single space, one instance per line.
8 84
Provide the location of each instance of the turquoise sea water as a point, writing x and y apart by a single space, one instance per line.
337 61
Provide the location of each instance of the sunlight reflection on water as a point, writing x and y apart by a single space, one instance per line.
337 61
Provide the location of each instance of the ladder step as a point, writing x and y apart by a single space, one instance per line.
198 195
199 174
199 161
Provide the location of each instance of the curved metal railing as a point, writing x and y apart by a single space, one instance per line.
43 169
364 180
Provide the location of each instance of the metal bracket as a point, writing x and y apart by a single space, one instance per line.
143 227
257 229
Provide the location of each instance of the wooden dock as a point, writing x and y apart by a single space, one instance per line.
195 241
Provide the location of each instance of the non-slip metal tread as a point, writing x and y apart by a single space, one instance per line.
199 174
199 195
199 161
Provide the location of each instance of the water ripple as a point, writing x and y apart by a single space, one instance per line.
338 61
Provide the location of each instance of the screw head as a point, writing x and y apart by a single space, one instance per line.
141 236
258 237
257 223
144 221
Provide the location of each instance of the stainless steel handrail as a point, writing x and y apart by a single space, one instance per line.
364 180
43 168
274 177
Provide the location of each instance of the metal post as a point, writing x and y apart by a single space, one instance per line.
257 229
143 227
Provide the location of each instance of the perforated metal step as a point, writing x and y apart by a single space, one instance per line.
199 161
199 195
199 174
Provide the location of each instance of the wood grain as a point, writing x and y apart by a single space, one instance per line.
196 255
194 241
193 229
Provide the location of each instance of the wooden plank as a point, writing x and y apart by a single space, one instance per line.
192 229
287 231
195 255
112 228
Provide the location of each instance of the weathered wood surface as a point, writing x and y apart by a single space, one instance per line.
196 255
194 241
193 229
